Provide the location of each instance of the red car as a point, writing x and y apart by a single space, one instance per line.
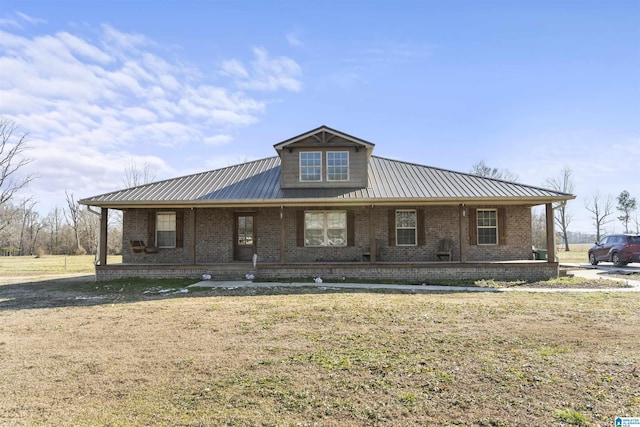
620 249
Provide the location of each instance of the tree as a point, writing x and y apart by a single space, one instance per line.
538 229
12 147
626 205
601 209
30 227
72 214
481 169
134 177
564 184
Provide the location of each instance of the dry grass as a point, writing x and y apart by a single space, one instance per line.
48 265
578 253
328 359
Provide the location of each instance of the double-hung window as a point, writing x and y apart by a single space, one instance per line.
337 166
487 226
166 229
325 228
406 227
310 166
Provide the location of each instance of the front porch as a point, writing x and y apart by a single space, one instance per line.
406 272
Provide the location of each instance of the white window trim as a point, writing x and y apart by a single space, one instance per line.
175 228
325 229
415 229
348 166
300 166
478 227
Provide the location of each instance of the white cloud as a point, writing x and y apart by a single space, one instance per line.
217 140
19 19
92 101
267 74
234 68
30 19
294 40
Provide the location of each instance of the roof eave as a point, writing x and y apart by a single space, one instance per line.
304 202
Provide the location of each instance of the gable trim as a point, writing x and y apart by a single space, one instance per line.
323 134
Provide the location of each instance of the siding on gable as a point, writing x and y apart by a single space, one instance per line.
290 164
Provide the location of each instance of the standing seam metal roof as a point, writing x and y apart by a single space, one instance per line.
259 182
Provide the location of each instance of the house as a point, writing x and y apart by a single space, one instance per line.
326 206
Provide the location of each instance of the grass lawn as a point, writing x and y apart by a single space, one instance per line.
83 353
51 264
577 253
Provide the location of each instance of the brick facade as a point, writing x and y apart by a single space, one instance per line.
211 241
408 272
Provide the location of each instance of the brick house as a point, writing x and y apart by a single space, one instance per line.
326 206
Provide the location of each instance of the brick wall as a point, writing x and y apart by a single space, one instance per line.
415 273
214 237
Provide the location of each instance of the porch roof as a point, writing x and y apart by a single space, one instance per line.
391 182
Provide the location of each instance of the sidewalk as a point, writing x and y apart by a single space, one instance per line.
603 273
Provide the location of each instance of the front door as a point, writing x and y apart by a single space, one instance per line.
244 237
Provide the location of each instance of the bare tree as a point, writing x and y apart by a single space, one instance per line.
54 224
30 227
482 169
626 205
72 214
134 176
538 229
601 209
12 147
564 184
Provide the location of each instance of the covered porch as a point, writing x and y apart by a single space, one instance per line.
370 266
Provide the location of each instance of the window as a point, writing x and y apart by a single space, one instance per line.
166 229
245 230
338 166
487 226
310 166
406 228
325 228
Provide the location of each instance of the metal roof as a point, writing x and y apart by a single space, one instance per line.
395 182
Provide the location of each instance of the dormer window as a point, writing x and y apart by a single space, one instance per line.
337 166
310 166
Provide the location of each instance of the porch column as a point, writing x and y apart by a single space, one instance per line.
551 235
192 237
104 218
372 237
283 236
463 242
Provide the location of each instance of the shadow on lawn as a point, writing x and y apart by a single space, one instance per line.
83 291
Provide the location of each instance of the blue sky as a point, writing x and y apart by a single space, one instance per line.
188 86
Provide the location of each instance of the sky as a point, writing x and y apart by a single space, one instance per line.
189 86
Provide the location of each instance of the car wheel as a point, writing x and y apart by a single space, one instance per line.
592 259
615 259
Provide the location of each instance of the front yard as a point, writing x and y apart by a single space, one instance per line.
80 353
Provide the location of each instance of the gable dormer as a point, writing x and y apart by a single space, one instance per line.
324 158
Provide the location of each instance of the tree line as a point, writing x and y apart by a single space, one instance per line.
73 229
